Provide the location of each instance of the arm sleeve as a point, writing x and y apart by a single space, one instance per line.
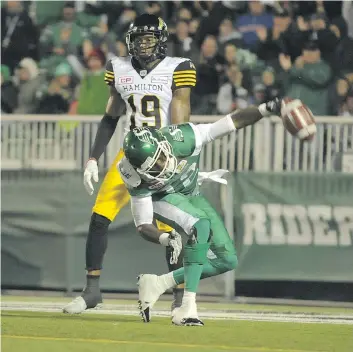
184 75
105 132
109 77
142 210
206 133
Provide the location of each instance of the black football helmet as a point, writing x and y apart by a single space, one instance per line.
146 38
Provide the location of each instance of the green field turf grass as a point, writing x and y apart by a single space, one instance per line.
56 332
201 305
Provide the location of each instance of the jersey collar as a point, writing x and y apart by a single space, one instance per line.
143 72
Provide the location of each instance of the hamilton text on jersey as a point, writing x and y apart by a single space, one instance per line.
143 87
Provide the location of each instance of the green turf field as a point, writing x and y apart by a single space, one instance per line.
27 331
54 332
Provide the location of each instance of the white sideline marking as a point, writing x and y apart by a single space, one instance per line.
130 310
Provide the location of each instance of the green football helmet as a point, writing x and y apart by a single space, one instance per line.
149 152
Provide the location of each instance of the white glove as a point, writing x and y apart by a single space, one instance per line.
215 176
91 171
173 240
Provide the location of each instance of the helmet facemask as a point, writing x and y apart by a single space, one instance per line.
144 47
162 166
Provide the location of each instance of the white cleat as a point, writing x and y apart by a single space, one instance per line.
78 305
186 316
149 292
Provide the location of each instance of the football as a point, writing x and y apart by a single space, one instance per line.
298 119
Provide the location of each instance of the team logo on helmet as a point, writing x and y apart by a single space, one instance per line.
176 133
145 135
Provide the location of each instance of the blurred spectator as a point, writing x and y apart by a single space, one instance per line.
193 27
55 97
259 93
209 68
181 44
338 95
347 106
100 38
19 36
47 12
308 79
331 9
121 48
292 40
93 92
326 39
8 91
228 34
343 56
243 58
347 14
213 13
232 95
184 14
29 81
61 39
154 8
257 18
269 45
122 24
273 88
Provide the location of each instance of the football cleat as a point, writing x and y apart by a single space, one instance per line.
186 316
149 292
87 300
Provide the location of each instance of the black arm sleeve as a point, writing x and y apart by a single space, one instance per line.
105 132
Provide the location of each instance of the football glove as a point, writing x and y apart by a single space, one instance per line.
173 240
91 171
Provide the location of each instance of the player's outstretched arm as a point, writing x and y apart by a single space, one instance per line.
236 120
253 114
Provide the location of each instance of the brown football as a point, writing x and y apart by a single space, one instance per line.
298 119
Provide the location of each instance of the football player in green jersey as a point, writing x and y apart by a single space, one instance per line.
160 170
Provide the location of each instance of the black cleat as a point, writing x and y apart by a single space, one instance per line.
191 322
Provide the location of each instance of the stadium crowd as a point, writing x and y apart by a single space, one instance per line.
54 53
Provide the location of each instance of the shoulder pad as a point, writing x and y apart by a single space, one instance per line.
128 173
184 75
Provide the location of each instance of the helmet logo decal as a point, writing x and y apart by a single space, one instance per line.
176 133
160 23
145 135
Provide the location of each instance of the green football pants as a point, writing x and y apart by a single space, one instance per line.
182 213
